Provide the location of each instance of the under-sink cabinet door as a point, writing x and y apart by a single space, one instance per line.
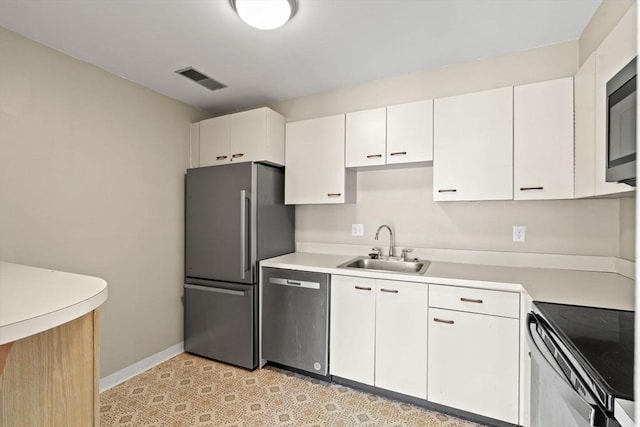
352 342
401 337
473 363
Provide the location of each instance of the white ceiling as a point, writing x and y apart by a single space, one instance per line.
327 45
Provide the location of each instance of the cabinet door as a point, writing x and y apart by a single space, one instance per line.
473 362
543 140
585 132
352 328
473 146
410 132
314 156
615 51
214 141
248 133
366 138
401 337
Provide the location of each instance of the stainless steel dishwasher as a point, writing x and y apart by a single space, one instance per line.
295 319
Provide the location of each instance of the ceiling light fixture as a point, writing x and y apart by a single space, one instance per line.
265 14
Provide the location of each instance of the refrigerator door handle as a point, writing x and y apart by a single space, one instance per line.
245 197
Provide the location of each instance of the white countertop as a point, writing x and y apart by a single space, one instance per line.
598 289
623 411
33 299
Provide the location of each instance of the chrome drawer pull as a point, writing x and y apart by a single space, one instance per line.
391 291
477 301
362 288
334 194
235 156
399 153
450 190
221 157
531 188
374 156
448 322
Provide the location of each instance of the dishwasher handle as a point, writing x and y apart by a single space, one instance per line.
294 283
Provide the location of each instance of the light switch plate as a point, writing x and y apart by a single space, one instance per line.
357 229
519 232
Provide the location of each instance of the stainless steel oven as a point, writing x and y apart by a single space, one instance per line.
581 361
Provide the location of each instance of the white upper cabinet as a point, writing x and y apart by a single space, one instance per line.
254 135
473 146
315 172
215 141
585 132
410 132
366 138
393 135
543 140
615 51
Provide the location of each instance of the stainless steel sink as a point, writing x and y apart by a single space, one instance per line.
387 265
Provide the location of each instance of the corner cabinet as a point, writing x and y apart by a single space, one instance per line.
248 136
473 146
474 350
315 172
543 140
379 333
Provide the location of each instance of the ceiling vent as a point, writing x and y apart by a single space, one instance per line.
203 80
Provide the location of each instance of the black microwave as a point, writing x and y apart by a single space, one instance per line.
621 126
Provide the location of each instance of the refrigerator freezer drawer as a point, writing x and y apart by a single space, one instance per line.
219 322
295 329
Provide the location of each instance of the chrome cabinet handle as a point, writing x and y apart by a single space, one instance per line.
374 156
448 322
398 153
334 194
448 190
477 301
245 197
391 291
362 288
235 156
531 188
221 157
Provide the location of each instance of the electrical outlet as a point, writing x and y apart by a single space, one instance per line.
357 229
519 233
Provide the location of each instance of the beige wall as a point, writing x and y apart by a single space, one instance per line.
628 228
402 198
545 63
91 181
604 19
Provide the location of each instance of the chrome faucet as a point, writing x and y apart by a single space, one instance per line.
391 242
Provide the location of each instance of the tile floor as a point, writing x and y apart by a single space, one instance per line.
191 391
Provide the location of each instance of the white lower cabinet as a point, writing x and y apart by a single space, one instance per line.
352 328
379 333
473 359
401 337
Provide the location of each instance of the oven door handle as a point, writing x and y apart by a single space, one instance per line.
582 405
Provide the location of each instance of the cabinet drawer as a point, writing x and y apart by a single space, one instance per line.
498 303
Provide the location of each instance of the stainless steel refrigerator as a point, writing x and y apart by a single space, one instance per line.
235 217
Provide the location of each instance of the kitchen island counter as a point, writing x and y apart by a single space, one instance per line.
33 299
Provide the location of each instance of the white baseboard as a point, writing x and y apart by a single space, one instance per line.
139 367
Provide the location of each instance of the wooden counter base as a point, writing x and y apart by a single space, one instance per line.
50 379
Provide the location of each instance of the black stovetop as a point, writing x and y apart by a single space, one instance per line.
602 340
